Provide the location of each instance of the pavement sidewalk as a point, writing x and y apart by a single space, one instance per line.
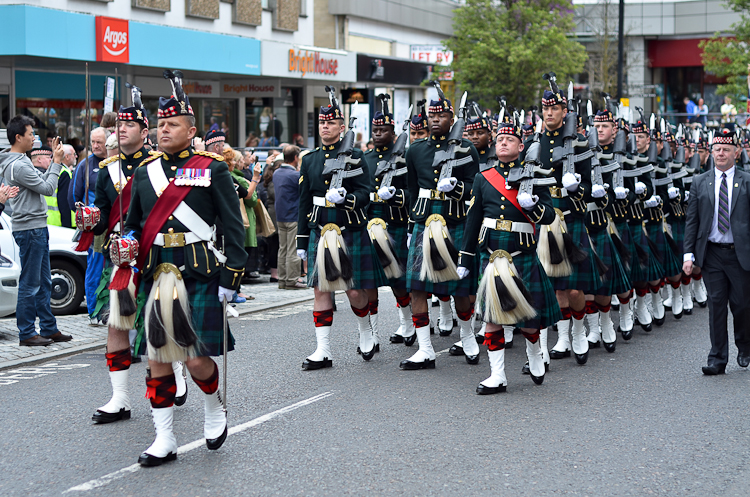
86 337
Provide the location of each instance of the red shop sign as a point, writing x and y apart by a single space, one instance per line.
112 40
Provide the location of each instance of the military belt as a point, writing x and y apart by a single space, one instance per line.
374 197
557 192
174 240
322 202
506 225
432 194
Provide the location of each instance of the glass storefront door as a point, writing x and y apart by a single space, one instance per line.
272 121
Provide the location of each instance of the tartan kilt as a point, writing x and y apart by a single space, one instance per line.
102 291
398 235
367 272
585 276
532 274
205 309
653 270
616 280
677 226
458 288
669 260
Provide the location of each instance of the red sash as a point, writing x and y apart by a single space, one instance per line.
498 182
165 205
114 213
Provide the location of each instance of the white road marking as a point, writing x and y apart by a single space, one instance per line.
441 352
31 372
107 479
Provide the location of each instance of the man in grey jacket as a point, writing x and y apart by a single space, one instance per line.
30 232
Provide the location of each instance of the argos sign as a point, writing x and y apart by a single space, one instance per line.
112 40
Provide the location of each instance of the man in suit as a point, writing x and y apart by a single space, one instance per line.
717 239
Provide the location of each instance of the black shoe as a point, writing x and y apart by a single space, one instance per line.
102 418
432 330
396 338
472 359
626 334
376 348
445 333
526 369
409 341
538 380
178 401
35 341
480 339
714 370
582 358
509 345
743 360
149 460
409 365
678 316
215 443
309 365
702 304
369 355
659 322
646 327
554 354
483 390
595 345
610 347
688 312
456 350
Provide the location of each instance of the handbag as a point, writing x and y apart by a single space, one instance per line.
263 223
243 212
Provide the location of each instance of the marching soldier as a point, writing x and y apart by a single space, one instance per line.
177 196
418 127
389 218
335 185
567 240
501 231
441 172
111 182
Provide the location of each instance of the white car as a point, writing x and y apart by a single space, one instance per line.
10 273
68 267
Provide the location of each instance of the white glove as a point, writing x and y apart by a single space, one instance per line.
687 195
302 254
225 293
387 193
652 202
598 191
408 240
447 184
640 187
527 201
621 192
571 181
462 271
336 195
673 192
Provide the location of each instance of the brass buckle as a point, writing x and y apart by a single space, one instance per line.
555 192
330 204
376 198
503 225
437 195
172 240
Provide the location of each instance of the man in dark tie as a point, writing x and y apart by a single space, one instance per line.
717 239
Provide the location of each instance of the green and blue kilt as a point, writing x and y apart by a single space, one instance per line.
653 270
532 274
616 280
206 312
669 260
458 288
102 291
585 275
367 272
677 227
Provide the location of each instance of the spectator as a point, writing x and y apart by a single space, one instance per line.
112 146
370 145
224 128
30 233
69 159
77 193
252 140
286 185
728 111
691 110
58 211
273 240
268 140
51 138
109 121
702 113
214 125
358 143
6 192
215 142
298 140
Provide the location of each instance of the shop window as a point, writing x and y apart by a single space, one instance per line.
273 121
217 114
65 118
4 110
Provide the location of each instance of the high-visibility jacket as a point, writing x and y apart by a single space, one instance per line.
53 211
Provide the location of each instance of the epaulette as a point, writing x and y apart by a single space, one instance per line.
214 156
152 157
108 161
154 152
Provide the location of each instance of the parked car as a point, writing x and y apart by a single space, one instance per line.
10 272
68 266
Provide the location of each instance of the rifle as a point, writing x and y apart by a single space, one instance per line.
340 167
390 168
567 153
446 158
524 176
597 169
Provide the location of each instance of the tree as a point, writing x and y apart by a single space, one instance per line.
504 47
729 57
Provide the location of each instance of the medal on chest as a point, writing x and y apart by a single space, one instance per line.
189 176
